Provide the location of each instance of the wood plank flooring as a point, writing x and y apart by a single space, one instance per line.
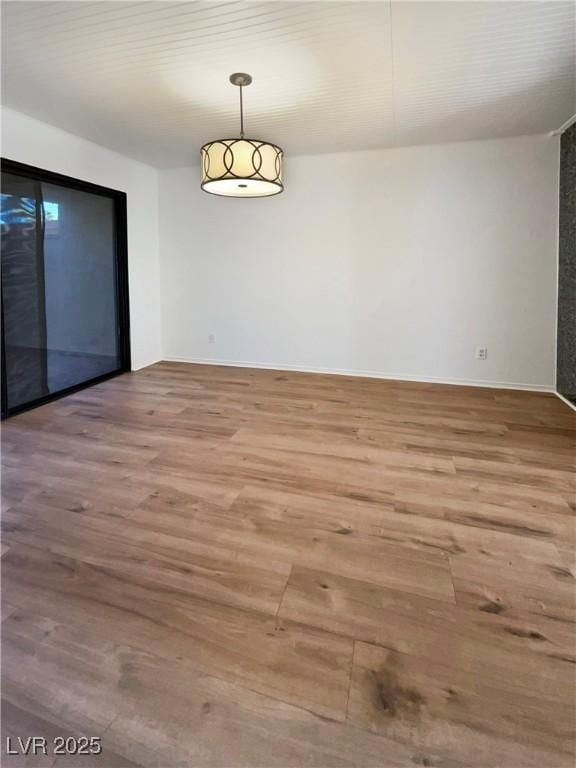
231 568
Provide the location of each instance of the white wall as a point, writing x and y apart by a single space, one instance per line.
395 262
30 141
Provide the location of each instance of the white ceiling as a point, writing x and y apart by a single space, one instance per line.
150 79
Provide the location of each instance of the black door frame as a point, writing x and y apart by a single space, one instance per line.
121 254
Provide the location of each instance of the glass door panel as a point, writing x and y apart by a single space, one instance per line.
64 291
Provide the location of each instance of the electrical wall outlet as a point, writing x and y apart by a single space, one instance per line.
481 353
211 338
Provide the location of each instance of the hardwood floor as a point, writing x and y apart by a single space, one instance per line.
219 567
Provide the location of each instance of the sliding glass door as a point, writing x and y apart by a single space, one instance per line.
64 285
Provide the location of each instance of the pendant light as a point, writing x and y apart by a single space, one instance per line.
241 167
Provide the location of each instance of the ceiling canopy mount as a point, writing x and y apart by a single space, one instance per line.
240 78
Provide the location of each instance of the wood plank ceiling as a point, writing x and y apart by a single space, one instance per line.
150 79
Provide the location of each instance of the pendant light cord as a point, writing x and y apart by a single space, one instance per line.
241 115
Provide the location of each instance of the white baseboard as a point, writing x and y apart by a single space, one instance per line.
565 400
364 374
139 366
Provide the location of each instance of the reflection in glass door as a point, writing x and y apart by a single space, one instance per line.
64 285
